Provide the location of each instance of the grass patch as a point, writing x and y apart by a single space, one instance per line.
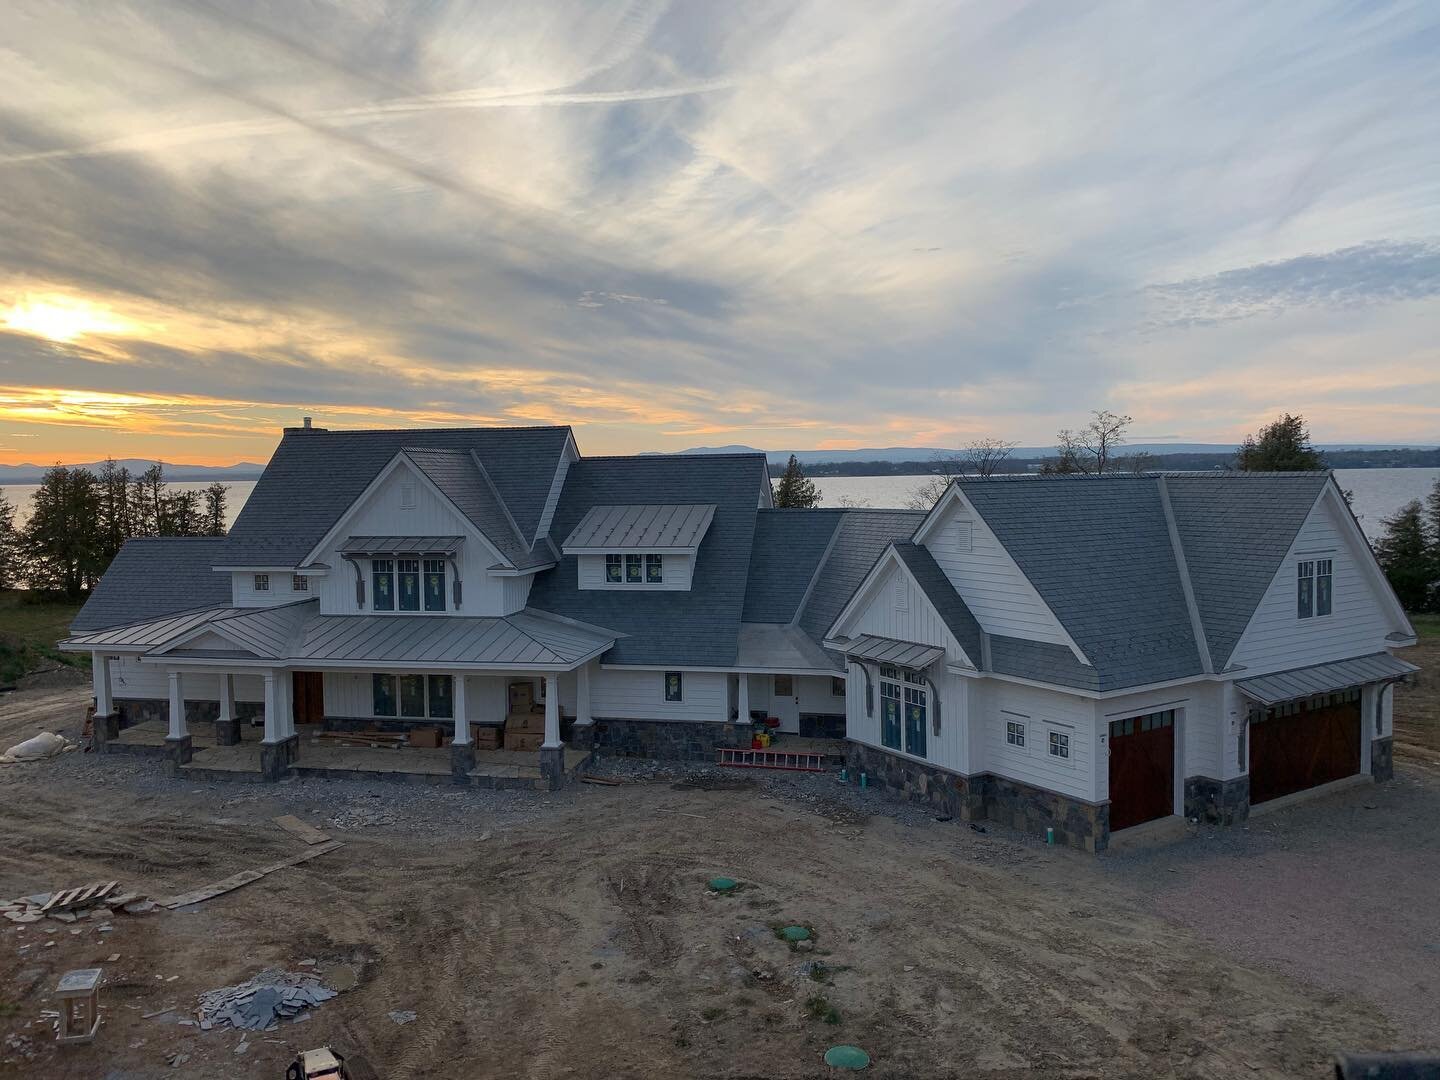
1426 625
30 625
820 1009
711 1014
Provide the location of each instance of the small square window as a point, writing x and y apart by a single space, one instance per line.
1015 733
612 570
1060 745
654 569
674 686
299 583
837 686
262 582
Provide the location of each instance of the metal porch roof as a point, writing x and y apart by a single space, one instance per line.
148 634
883 650
1323 678
528 637
402 545
647 527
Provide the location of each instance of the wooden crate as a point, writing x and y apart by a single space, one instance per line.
523 740
486 736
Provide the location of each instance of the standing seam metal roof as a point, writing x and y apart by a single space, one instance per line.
646 526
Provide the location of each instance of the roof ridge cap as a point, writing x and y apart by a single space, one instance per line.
500 499
1187 586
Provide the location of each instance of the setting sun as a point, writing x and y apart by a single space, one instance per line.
63 318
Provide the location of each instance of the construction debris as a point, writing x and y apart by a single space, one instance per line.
260 1003
97 901
244 877
303 830
402 1016
37 748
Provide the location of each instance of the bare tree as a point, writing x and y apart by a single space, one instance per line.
980 458
984 456
1093 448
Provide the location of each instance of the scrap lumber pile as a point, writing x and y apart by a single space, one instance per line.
393 740
70 905
260 1003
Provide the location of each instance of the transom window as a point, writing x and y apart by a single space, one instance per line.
634 569
1314 591
262 582
413 697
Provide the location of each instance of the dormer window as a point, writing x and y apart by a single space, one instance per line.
654 569
434 584
382 577
299 583
640 546
636 569
407 583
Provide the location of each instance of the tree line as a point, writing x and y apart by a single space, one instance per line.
1409 551
79 518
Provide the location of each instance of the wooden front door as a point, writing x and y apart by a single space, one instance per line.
1297 746
1142 769
309 697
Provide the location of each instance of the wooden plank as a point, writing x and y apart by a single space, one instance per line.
244 877
301 829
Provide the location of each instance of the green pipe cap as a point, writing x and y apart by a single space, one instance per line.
795 933
722 884
846 1057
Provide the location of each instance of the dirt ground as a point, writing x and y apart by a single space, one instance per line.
572 935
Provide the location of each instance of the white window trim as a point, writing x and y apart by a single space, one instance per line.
1069 733
624 558
665 687
1023 723
299 582
261 583
425 677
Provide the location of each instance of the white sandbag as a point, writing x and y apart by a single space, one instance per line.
46 744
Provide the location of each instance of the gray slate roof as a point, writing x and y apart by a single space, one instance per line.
788 547
642 527
948 604
314 477
698 628
1235 529
861 539
460 475
155 576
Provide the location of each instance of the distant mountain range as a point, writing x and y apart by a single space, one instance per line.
928 453
30 473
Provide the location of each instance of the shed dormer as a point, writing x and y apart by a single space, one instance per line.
645 546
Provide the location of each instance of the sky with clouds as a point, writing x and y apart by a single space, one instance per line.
811 224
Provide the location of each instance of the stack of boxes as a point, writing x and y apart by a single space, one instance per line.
525 722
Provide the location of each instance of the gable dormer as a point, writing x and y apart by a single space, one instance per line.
639 547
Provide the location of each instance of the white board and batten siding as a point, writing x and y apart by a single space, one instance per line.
1040 712
131 679
1277 639
993 587
617 694
675 571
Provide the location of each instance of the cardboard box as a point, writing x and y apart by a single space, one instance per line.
426 737
486 736
523 740
531 722
522 697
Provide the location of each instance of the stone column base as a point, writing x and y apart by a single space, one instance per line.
277 757
582 736
552 766
744 732
1218 802
177 753
102 730
1382 759
462 760
227 732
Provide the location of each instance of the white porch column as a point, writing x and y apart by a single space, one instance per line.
227 698
177 708
582 696
287 703
457 699
100 674
552 713
742 699
272 710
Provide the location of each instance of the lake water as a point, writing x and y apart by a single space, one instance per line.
1378 492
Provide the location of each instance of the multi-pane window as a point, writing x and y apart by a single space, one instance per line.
407 584
674 686
262 582
434 584
1015 733
1060 745
915 711
413 697
837 686
299 583
1138 725
634 569
1314 593
890 709
382 579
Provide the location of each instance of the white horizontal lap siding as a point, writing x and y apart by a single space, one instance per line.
815 696
133 680
998 594
1040 711
675 569
244 594
1200 710
1277 639
640 695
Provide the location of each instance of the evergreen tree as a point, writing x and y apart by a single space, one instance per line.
10 570
215 509
795 491
1283 446
147 502
1406 555
61 540
181 514
117 517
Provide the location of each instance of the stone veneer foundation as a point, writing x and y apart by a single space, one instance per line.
985 796
666 740
1217 802
1382 759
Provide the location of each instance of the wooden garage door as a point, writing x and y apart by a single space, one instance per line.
1142 768
1301 744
